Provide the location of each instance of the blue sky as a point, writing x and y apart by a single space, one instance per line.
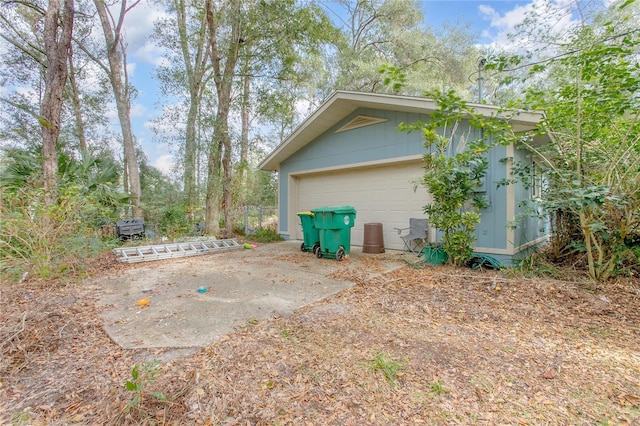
490 20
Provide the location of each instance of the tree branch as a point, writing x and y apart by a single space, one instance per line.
93 57
26 51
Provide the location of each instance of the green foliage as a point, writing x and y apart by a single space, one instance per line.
536 265
25 417
393 77
455 167
265 235
47 241
95 177
590 97
286 333
393 32
262 188
630 263
20 167
387 365
172 221
142 376
163 203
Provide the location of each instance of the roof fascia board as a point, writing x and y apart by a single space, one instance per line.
264 164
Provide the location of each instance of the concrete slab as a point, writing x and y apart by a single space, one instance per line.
242 286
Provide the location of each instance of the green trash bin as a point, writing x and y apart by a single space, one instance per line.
310 233
334 225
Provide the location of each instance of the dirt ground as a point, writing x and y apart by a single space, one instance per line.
417 345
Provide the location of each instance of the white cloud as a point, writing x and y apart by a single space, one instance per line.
487 12
556 15
502 24
27 92
303 107
510 19
151 53
131 69
159 155
112 114
138 29
139 24
166 128
164 163
138 110
92 76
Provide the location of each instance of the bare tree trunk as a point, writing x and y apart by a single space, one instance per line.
125 180
189 177
77 111
244 138
58 28
120 84
222 129
212 204
224 65
195 70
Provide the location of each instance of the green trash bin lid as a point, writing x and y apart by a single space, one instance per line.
334 217
336 210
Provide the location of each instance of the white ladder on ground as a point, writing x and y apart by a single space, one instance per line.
168 251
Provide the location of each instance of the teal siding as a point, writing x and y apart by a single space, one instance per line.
371 143
283 198
491 231
528 227
378 142
381 142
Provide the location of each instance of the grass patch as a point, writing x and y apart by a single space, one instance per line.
437 388
387 365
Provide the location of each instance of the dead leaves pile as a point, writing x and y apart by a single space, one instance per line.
529 353
521 352
57 365
474 347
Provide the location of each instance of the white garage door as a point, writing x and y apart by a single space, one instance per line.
383 194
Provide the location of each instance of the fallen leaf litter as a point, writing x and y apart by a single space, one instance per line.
535 351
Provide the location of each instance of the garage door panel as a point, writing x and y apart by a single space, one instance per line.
380 194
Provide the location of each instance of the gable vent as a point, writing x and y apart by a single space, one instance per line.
360 121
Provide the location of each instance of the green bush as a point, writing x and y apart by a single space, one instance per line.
174 223
265 235
48 241
455 167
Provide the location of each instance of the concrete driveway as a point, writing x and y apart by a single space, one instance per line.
242 286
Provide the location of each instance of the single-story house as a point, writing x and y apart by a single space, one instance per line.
350 152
